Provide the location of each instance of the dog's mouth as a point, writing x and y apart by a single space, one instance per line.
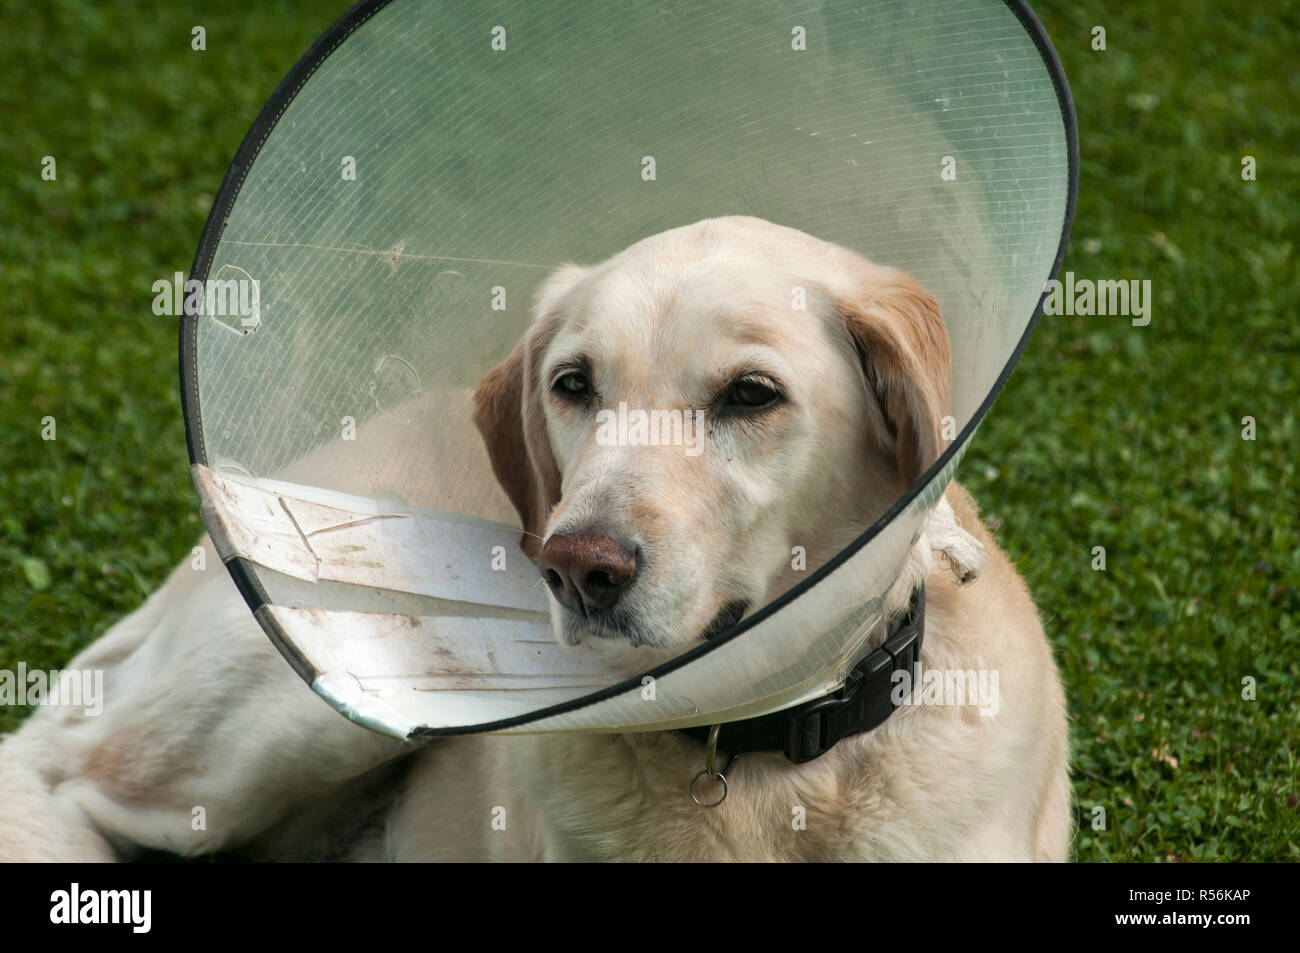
731 614
623 626
613 624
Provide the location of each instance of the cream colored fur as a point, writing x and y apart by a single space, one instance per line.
203 718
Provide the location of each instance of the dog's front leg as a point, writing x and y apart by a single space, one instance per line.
206 737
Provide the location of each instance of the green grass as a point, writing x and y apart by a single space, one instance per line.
1107 435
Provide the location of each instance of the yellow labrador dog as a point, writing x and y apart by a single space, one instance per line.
813 422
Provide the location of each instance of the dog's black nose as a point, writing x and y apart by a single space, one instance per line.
586 572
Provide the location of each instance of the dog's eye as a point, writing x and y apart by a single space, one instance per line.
750 393
572 386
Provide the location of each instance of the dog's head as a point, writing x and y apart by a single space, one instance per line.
689 427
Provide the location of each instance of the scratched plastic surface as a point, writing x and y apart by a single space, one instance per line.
928 136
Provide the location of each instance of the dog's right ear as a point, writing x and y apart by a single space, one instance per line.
509 415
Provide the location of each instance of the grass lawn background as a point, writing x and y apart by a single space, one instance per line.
1107 435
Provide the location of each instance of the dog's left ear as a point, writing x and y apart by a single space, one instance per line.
509 416
903 346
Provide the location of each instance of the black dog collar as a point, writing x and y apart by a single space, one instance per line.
809 730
